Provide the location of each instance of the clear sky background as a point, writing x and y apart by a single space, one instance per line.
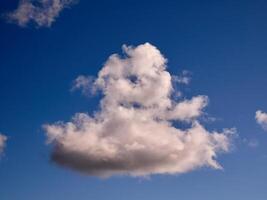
223 44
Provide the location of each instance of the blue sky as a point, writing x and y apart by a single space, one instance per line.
223 45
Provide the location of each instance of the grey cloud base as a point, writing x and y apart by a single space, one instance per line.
134 133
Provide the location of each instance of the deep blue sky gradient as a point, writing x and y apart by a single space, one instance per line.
223 44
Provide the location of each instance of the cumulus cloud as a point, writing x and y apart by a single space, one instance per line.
41 12
136 131
2 143
261 118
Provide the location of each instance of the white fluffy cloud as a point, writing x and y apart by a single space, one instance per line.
135 131
261 118
2 143
42 12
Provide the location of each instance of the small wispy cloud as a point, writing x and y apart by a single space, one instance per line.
84 84
261 118
42 12
252 143
133 133
3 139
183 78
